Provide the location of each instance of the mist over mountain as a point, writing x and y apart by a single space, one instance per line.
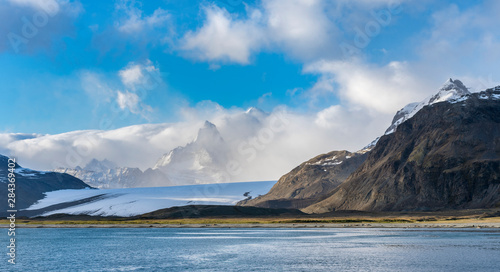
201 161
262 145
107 175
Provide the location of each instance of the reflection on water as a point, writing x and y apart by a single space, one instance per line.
256 250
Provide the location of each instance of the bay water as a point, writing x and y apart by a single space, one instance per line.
235 249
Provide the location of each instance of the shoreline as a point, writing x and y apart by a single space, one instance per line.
492 225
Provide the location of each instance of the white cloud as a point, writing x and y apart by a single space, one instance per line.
96 86
464 42
302 27
131 75
224 38
305 30
382 89
294 138
54 20
128 101
128 88
138 79
144 76
134 21
49 6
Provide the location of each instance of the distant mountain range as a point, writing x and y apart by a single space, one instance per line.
441 153
202 161
438 154
106 175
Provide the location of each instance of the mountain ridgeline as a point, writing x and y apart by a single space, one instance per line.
31 185
107 175
310 181
442 153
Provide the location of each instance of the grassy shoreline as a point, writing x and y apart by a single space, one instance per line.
404 222
200 218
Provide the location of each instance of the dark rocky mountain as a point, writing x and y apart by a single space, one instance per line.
447 156
31 185
309 181
215 211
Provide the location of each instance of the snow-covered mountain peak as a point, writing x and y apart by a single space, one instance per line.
256 112
99 166
208 134
450 91
201 161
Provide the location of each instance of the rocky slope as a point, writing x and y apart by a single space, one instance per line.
447 156
31 185
309 181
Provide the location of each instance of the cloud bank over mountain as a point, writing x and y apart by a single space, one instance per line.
261 146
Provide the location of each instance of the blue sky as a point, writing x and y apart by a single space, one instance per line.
135 62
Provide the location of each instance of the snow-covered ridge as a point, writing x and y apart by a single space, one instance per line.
107 175
135 201
202 161
328 161
493 93
451 91
25 172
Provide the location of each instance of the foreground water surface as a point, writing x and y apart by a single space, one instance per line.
255 250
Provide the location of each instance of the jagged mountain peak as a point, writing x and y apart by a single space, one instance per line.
456 84
209 125
99 166
450 91
446 157
208 134
255 112
201 161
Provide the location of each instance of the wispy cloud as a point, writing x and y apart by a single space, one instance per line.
134 21
383 89
305 30
30 26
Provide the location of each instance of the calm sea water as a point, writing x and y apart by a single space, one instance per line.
255 250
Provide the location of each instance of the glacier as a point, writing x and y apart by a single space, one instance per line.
135 201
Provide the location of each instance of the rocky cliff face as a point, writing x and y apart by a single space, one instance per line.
309 181
31 185
447 156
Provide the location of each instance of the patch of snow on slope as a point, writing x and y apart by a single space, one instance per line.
451 91
329 161
135 201
25 172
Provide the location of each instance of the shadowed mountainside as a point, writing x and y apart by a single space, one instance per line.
309 181
446 157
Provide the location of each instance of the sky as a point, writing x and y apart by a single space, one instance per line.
344 65
66 64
